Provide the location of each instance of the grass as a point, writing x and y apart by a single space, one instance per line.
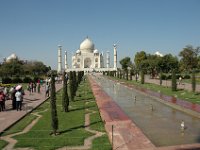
19 126
71 125
2 144
181 94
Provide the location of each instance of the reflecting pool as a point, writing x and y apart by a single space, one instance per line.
158 121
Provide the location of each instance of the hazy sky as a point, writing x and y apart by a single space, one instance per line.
32 29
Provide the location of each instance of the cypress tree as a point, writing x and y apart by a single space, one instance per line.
193 81
65 98
161 78
131 73
142 77
126 74
54 117
71 86
174 85
74 83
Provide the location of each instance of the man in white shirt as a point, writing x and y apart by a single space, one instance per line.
18 96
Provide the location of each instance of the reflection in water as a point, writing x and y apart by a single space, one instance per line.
159 122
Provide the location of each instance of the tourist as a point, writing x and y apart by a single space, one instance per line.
13 98
19 97
182 125
2 101
38 86
34 87
47 90
180 79
29 88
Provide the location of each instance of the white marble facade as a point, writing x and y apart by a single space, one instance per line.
87 56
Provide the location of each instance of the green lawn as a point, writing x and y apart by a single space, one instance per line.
71 124
182 94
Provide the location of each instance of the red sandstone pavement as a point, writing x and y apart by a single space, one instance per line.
126 135
10 117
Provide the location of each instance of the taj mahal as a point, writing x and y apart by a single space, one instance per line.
87 58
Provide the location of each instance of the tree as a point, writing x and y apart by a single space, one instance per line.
168 63
139 57
125 62
142 77
174 86
189 57
65 98
54 117
71 86
13 67
193 81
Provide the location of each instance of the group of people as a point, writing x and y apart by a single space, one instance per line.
15 93
32 86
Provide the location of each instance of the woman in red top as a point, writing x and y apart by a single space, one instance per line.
2 100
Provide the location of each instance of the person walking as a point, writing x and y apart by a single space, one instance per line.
2 100
19 97
47 90
38 86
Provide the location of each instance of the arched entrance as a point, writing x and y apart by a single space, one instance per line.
87 63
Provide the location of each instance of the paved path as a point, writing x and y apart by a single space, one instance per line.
167 83
9 116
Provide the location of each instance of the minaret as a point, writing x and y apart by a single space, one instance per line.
115 56
108 59
66 66
59 59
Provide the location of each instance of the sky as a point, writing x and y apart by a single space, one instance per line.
33 29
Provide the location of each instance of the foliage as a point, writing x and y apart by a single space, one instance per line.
126 62
193 81
187 76
65 98
189 58
142 77
16 67
168 63
161 75
71 86
54 117
17 80
174 85
6 80
139 57
27 80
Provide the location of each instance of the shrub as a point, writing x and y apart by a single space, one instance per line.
6 80
27 80
169 76
187 76
16 80
163 77
35 79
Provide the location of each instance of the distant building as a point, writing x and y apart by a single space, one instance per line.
11 57
158 54
87 58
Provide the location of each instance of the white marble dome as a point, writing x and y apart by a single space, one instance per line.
78 51
11 57
96 51
87 46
